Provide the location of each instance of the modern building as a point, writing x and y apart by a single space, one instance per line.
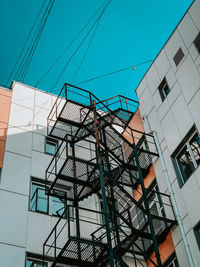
49 188
58 153
169 97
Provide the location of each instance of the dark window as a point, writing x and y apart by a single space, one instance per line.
171 261
187 156
40 202
178 57
51 146
197 234
197 42
163 89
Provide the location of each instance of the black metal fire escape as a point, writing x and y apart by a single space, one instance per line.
99 153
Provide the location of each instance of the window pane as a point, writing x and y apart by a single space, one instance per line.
185 163
35 263
39 200
178 57
50 148
58 206
164 89
195 146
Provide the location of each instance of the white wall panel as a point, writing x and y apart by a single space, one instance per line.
141 87
16 173
13 208
189 189
146 102
187 30
188 78
40 162
39 227
181 255
11 256
172 46
153 79
179 199
23 95
163 109
170 131
194 13
193 51
162 64
194 247
43 100
175 91
182 116
155 124
19 141
21 117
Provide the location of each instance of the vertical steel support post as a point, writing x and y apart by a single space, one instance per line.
76 202
101 172
155 243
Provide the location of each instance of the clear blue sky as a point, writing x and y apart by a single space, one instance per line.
130 32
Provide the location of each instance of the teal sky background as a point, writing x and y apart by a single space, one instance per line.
130 32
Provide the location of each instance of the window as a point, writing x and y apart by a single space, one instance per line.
51 146
40 202
197 234
178 57
163 89
35 263
171 261
197 42
34 260
186 158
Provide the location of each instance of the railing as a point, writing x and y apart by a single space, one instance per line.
108 106
63 163
65 230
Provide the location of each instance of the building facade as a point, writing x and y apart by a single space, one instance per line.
31 217
169 97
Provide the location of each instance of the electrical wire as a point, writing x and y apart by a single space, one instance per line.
113 72
32 52
79 46
26 41
27 58
70 44
85 54
110 73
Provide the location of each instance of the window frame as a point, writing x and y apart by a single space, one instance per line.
49 212
196 230
161 89
49 140
170 260
182 179
197 42
177 60
35 260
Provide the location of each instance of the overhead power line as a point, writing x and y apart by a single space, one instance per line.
114 72
70 44
81 43
25 43
25 57
86 51
33 45
133 67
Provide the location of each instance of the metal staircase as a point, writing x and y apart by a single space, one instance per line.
99 153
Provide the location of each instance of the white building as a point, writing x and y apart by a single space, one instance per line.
169 97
